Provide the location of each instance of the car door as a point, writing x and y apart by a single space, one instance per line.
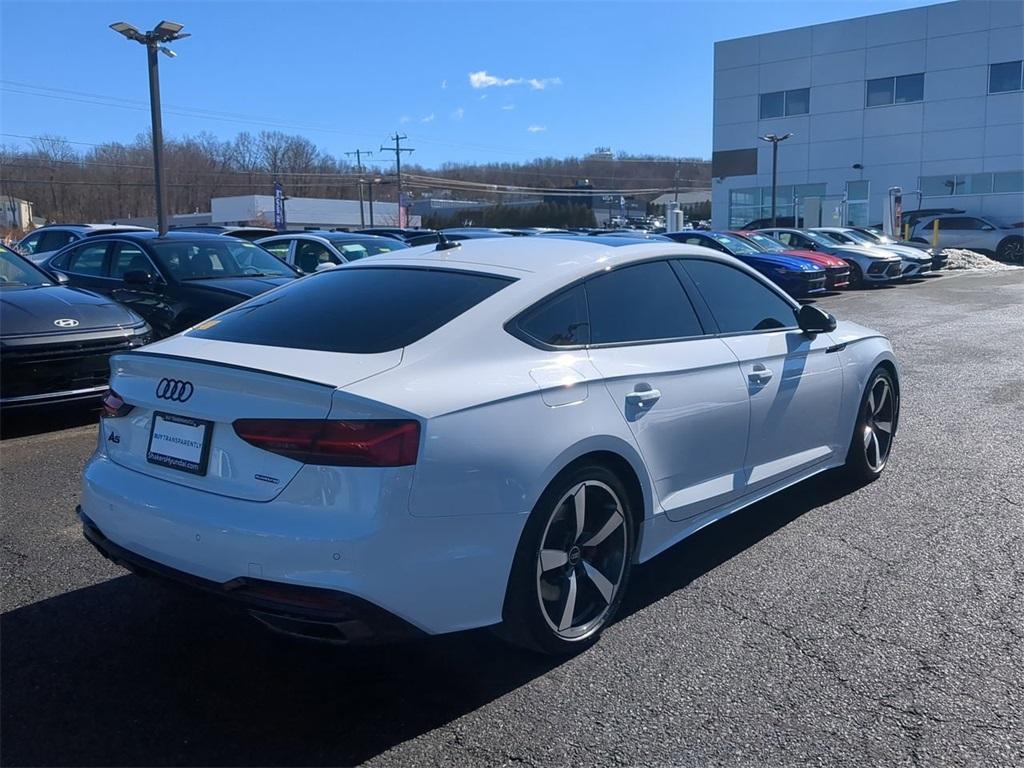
794 381
680 391
86 265
149 299
961 232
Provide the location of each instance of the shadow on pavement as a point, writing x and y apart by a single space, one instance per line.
132 672
22 422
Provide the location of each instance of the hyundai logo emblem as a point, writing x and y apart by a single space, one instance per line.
174 389
66 322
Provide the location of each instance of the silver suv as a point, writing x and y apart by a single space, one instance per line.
975 233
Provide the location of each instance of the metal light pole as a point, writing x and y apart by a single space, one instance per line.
154 40
775 141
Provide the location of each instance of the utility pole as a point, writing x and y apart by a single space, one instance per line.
675 180
398 149
359 169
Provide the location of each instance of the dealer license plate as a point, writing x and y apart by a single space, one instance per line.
180 443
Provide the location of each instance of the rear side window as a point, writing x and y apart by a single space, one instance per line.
560 321
645 302
362 311
739 303
88 260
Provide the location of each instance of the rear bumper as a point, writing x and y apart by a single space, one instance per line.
322 532
312 612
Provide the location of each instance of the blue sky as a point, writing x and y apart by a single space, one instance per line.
480 81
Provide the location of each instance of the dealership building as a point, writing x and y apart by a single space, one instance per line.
929 100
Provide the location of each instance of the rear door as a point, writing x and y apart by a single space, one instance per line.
86 266
794 381
152 301
679 390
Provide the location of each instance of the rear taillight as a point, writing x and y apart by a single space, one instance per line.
384 443
114 406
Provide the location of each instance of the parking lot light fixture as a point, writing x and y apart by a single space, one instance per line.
775 141
154 40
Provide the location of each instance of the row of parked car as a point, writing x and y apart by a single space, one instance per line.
105 289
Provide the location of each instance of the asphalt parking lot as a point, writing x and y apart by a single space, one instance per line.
876 626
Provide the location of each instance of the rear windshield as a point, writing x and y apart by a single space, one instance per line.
363 311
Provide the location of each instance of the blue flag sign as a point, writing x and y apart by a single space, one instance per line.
279 222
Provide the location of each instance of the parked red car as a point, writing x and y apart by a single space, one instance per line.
837 271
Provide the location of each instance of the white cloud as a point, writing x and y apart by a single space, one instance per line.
537 128
483 96
428 119
539 84
404 119
483 79
508 107
458 114
444 85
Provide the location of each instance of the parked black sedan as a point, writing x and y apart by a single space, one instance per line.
55 340
174 281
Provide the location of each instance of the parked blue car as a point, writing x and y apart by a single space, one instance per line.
796 276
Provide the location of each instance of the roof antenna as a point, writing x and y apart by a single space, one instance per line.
444 244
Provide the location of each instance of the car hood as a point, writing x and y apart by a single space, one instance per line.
821 259
783 260
34 311
238 286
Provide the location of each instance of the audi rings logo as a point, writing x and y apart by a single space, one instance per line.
174 389
66 322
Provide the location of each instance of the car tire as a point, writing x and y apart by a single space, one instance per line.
871 443
856 278
1011 250
557 562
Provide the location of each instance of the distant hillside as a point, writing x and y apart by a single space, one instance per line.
73 182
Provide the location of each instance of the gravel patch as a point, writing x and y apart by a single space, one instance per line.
963 259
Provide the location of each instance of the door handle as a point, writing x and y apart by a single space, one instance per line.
759 375
643 397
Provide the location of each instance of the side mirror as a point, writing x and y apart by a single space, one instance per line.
138 277
814 320
60 278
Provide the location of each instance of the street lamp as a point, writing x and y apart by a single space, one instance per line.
775 141
154 40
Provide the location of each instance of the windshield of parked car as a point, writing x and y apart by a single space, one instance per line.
838 237
210 259
16 272
735 245
859 237
766 243
820 238
360 249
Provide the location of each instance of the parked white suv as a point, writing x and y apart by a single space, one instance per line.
975 233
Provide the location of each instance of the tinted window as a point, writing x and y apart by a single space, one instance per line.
560 321
773 104
130 258
880 91
963 222
640 303
798 102
309 254
279 249
738 301
30 244
355 310
217 257
909 88
1006 76
88 260
52 240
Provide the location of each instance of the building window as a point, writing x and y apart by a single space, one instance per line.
972 184
780 103
753 203
904 89
857 197
1004 77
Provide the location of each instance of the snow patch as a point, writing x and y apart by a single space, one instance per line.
962 259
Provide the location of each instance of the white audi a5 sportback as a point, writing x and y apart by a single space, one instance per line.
490 433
